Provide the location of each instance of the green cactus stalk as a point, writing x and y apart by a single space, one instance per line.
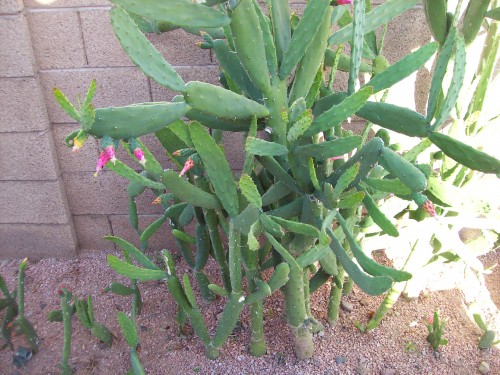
332 315
67 313
436 330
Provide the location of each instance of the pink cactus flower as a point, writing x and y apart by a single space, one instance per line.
344 2
187 166
139 154
337 158
429 208
107 155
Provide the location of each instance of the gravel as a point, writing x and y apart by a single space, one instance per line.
383 351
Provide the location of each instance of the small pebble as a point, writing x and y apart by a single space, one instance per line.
340 360
363 367
346 306
144 328
484 368
364 301
321 333
388 371
42 305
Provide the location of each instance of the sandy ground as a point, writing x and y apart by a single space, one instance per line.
398 346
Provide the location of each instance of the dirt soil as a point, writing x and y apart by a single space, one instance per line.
398 346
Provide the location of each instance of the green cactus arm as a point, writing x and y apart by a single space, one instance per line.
285 254
312 255
344 62
202 247
289 210
133 272
229 319
218 290
435 12
66 105
276 192
372 285
273 167
350 200
82 313
406 172
439 73
217 168
279 11
267 38
378 216
329 149
338 112
119 289
250 191
328 263
189 193
231 64
128 122
262 291
256 146
299 124
493 14
244 221
152 228
303 35
128 329
357 44
388 185
311 61
297 227
473 19
179 12
465 154
220 102
125 171
249 43
403 68
378 16
141 51
279 276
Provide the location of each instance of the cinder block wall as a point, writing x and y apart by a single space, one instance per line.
50 203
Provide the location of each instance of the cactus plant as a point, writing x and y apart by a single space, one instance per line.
436 330
280 212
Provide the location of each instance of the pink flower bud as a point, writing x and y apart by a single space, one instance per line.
187 166
107 155
139 154
429 208
344 2
337 158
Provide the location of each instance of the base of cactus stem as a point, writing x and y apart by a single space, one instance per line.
212 352
257 348
303 342
332 321
316 326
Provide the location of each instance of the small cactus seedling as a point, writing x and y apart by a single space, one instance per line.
85 313
67 310
436 330
488 339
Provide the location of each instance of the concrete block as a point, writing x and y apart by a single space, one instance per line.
37 241
10 6
34 157
23 107
33 202
57 39
115 87
179 48
82 161
16 54
101 45
209 74
104 194
163 239
90 231
64 3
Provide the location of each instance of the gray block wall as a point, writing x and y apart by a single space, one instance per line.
50 203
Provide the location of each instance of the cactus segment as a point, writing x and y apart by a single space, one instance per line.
279 277
439 73
312 255
229 319
297 227
217 168
128 122
276 192
82 313
66 105
142 52
230 63
262 291
493 14
299 126
279 11
249 190
215 122
133 272
186 216
180 12
388 186
311 61
244 221
456 84
328 263
120 289
218 290
249 43
220 102
435 12
465 154
368 264
285 254
378 16
473 19
351 200
372 285
303 36
403 68
289 210
183 236
339 112
329 149
128 329
406 172
124 170
267 38
357 44
256 146
202 241
189 193
273 167
378 216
